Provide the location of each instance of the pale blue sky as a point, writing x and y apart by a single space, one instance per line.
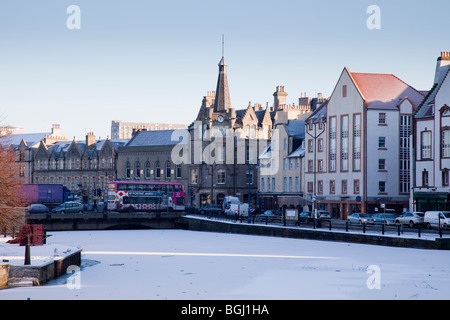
153 61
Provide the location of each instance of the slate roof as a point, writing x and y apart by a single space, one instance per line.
299 152
152 138
266 152
296 129
319 113
30 138
259 115
426 107
60 148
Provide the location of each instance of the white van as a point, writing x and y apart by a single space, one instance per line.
436 218
232 206
230 200
239 208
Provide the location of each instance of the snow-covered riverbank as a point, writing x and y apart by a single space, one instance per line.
178 264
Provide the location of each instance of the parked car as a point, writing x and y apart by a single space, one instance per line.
211 208
358 218
305 216
322 214
383 218
69 207
271 215
437 218
37 208
411 219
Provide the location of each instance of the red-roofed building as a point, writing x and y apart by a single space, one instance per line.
369 122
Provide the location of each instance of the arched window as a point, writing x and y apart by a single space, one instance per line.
147 170
178 171
138 170
168 173
128 170
157 170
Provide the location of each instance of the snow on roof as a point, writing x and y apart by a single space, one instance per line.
296 128
426 107
153 138
320 112
385 91
266 153
63 146
299 152
30 138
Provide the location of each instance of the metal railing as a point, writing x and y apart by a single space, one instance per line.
327 224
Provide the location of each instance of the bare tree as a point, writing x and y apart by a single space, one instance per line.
11 198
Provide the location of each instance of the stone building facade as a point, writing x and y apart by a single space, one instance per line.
147 157
224 144
26 144
84 167
281 165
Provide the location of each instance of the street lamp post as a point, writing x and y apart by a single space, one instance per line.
315 137
249 193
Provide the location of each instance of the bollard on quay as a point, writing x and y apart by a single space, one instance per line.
27 252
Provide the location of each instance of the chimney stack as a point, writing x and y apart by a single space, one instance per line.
90 139
56 129
442 66
279 97
209 99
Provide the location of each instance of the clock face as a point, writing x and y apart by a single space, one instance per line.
220 119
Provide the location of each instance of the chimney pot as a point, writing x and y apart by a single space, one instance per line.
444 55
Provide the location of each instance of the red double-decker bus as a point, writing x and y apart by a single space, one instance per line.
145 196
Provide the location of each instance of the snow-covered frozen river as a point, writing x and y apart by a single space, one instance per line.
179 264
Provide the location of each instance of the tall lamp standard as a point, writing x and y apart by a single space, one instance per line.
249 218
315 137
251 154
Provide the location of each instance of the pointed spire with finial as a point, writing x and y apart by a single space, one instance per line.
222 101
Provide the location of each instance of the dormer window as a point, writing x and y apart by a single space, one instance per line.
445 111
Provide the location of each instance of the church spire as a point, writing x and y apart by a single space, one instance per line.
222 101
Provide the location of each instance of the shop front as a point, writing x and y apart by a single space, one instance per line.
431 201
339 207
277 201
